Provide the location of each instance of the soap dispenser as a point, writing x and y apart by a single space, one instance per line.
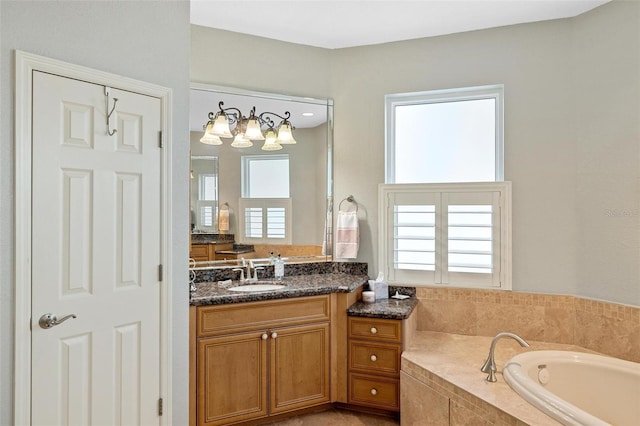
279 268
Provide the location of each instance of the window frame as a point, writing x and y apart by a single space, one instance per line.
495 91
386 243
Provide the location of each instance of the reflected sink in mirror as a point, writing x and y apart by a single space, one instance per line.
256 287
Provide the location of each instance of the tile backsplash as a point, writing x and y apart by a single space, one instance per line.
608 328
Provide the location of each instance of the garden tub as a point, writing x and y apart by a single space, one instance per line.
578 388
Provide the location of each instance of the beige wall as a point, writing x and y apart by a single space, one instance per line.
144 40
571 131
606 78
307 167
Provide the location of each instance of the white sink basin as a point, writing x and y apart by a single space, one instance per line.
256 287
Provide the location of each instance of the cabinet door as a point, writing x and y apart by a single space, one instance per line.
299 367
232 379
199 252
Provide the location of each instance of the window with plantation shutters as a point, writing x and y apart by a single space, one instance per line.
446 234
265 220
265 206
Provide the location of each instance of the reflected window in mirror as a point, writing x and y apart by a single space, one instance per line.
265 206
204 193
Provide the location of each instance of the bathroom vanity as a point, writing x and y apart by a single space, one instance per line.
256 356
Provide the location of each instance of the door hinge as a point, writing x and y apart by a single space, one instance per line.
160 407
160 273
160 139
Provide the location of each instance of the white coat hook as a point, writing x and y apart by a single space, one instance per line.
115 101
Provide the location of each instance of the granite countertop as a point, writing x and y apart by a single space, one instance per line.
205 243
238 251
213 293
384 308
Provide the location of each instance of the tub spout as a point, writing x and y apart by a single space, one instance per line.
489 365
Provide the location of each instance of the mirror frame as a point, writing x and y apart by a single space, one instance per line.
328 231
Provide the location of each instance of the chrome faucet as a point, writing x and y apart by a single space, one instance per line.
489 365
241 273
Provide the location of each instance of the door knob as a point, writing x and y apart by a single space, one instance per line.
51 320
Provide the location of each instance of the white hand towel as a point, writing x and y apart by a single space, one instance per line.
347 238
223 220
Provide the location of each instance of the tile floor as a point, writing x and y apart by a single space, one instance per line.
336 418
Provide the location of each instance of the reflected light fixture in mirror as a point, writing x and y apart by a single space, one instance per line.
248 129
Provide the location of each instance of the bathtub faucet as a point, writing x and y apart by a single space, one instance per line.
489 365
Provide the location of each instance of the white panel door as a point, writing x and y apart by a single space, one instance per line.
96 250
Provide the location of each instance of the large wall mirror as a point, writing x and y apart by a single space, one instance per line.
249 201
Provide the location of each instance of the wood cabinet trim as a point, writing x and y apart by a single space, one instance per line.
387 357
387 391
234 318
207 372
385 329
284 359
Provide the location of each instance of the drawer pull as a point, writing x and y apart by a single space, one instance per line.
265 336
374 391
374 330
274 335
374 358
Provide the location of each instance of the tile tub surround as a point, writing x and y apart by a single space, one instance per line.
608 328
441 377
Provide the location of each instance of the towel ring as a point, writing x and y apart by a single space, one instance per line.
349 199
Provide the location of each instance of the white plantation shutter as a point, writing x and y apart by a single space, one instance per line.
448 234
265 220
472 252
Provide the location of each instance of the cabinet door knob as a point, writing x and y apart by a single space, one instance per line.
374 391
274 335
265 336
374 330
374 358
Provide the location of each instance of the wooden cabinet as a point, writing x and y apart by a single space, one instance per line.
261 358
199 252
375 347
207 252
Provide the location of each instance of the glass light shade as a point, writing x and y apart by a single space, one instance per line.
253 131
271 136
221 127
210 139
285 137
271 141
241 142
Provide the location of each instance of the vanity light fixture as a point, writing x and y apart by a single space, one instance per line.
248 129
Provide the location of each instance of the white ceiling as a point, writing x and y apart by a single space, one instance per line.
336 24
204 101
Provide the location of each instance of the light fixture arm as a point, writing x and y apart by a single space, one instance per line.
265 118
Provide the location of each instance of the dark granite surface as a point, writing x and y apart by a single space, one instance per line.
385 308
214 274
213 293
202 238
234 251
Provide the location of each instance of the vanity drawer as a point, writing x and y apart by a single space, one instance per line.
374 328
378 392
239 317
374 358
